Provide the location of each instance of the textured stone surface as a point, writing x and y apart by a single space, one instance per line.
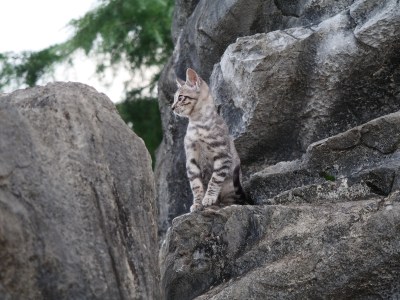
283 90
77 211
284 74
368 153
334 251
329 228
377 22
311 91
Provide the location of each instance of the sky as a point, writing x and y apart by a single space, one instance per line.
36 24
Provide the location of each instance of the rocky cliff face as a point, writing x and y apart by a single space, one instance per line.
311 92
336 237
77 211
284 75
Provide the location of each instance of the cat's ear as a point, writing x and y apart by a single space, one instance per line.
192 79
179 82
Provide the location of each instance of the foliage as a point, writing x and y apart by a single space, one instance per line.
144 117
27 67
327 176
137 31
133 32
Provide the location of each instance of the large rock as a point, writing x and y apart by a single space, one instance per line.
311 92
280 91
336 251
284 74
77 210
368 153
334 233
202 30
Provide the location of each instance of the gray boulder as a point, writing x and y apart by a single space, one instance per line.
368 153
280 91
77 210
334 233
202 30
284 74
311 92
346 250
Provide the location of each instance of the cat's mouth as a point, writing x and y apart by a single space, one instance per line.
184 111
180 112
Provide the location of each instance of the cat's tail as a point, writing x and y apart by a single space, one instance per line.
240 195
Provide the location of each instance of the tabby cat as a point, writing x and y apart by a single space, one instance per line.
212 163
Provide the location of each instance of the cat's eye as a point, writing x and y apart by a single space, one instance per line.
181 98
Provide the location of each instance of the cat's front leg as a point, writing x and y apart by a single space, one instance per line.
194 174
196 185
221 167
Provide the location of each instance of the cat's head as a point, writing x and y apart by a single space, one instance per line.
189 93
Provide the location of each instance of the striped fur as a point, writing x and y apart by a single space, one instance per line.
212 163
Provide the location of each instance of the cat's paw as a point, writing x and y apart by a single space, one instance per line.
207 201
196 207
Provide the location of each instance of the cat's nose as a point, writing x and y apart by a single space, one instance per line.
173 106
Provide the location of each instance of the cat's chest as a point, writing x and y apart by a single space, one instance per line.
206 154
205 159
202 139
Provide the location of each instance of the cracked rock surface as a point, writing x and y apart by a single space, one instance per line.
284 74
283 90
76 191
347 250
311 93
367 154
333 232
